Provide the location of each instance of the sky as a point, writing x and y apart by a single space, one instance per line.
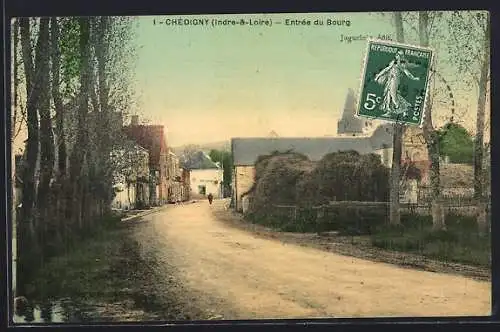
209 83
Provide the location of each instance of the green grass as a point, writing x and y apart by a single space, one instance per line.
88 270
460 242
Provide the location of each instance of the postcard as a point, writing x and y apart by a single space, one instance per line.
250 166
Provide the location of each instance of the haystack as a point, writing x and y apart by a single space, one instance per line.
344 176
276 177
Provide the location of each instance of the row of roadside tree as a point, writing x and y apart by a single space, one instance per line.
71 86
462 41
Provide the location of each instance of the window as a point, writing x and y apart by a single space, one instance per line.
202 189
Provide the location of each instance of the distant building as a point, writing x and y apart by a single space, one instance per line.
186 184
245 152
177 178
152 138
205 176
415 151
414 147
273 134
131 179
353 133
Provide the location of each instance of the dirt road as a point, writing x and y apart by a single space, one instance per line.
234 274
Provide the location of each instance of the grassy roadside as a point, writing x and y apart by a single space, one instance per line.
416 248
459 243
105 279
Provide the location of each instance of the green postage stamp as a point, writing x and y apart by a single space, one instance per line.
394 82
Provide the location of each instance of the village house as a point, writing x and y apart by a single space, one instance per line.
177 177
205 176
353 133
131 178
414 150
186 184
152 138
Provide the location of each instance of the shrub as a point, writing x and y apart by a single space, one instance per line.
416 221
352 220
345 176
439 236
292 179
275 180
461 223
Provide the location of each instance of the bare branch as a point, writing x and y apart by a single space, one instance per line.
407 20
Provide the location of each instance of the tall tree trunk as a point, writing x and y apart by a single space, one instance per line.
56 95
431 137
106 130
60 135
47 153
479 141
79 150
26 233
397 146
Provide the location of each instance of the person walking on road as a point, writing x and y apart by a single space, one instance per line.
210 198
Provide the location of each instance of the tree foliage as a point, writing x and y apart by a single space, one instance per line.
77 74
466 47
471 33
226 160
456 143
459 38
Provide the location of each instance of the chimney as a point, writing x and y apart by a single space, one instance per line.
135 120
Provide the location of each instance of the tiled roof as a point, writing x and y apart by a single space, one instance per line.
246 150
198 160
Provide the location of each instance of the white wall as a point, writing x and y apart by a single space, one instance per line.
207 178
125 198
244 176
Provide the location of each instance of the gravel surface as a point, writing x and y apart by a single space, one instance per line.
218 267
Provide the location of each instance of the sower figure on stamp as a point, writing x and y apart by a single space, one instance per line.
390 77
